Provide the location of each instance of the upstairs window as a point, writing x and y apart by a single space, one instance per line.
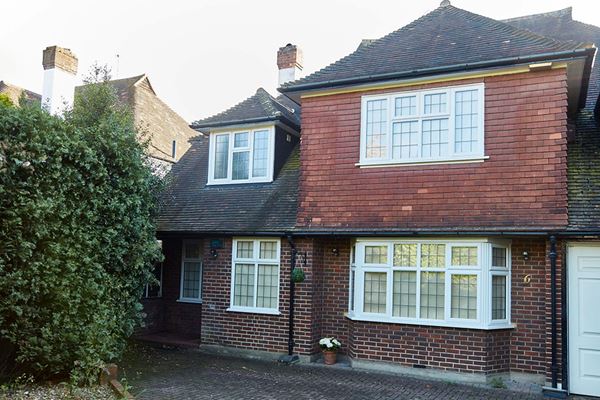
423 126
241 156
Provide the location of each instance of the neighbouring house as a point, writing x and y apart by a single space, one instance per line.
168 133
15 93
440 189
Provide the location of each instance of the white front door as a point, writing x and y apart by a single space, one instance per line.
583 267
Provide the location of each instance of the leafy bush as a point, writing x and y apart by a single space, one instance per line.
77 244
5 100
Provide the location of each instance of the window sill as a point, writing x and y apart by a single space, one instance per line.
381 164
237 182
446 324
192 301
250 310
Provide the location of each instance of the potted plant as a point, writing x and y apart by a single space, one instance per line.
330 347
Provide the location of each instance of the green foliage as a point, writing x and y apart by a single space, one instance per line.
498 383
77 207
5 101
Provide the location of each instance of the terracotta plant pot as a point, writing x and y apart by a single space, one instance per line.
329 357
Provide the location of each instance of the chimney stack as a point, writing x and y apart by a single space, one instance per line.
289 61
60 69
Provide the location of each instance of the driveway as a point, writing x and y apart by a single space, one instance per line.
153 373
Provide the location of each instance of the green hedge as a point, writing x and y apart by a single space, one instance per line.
77 244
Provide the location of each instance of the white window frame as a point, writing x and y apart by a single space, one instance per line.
484 272
419 117
256 261
183 299
251 131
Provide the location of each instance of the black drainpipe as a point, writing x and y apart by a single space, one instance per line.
290 357
563 323
554 367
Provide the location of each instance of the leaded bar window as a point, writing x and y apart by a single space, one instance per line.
440 125
255 275
431 282
191 272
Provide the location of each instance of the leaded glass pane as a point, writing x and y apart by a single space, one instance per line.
243 288
266 296
464 296
498 257
268 250
466 121
435 103
406 106
376 134
405 140
240 165
245 249
192 250
464 256
376 254
240 140
433 255
405 294
498 297
432 295
191 279
261 154
221 156
375 292
405 255
434 138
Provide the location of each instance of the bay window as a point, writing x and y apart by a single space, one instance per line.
439 125
255 276
441 283
241 156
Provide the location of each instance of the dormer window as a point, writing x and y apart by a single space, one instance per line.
241 156
427 126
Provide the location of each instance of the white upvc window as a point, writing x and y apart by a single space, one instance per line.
255 275
242 156
431 282
426 126
190 290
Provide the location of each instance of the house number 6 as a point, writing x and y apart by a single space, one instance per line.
527 279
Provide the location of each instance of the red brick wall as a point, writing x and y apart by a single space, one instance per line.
523 183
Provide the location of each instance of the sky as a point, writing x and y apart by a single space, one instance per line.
204 56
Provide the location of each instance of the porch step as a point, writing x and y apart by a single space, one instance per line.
173 339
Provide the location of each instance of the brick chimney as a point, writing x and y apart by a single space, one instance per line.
60 69
289 61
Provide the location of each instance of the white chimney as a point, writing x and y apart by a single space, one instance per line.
289 61
60 69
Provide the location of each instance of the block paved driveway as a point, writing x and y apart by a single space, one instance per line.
154 373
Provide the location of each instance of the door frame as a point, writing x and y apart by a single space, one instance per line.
566 306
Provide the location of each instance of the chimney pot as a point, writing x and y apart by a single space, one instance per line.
289 62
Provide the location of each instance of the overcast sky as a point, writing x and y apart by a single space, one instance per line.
204 56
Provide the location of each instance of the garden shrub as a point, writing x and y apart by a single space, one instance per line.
77 236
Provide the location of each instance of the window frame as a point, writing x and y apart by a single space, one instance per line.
478 154
160 285
250 149
185 259
255 261
483 271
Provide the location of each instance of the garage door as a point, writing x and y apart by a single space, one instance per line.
583 266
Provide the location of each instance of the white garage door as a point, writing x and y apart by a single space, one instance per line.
583 266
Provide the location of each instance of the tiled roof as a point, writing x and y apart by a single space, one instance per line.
191 206
15 93
448 38
583 159
259 107
560 25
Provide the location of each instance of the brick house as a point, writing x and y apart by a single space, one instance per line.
439 187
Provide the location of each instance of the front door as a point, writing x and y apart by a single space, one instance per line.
583 266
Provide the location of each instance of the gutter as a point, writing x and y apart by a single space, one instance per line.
585 52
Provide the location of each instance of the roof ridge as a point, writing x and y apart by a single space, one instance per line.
568 11
266 101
